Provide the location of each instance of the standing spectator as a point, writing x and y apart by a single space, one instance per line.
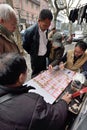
35 42
23 110
8 22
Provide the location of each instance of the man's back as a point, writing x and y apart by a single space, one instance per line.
29 111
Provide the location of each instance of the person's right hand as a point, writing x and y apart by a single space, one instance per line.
67 97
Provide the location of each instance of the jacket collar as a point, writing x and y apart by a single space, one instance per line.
16 90
4 31
6 34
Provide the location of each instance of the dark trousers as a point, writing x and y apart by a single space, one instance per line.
38 64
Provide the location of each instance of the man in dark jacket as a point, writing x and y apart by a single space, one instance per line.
36 43
20 109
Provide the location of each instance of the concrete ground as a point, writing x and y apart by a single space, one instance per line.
27 57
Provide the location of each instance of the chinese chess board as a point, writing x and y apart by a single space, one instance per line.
54 82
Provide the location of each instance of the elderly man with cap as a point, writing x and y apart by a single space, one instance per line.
57 49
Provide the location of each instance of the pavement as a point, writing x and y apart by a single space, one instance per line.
69 46
27 57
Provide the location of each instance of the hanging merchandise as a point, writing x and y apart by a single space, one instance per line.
73 15
81 14
78 14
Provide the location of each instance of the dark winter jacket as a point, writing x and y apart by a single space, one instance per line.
29 111
31 41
